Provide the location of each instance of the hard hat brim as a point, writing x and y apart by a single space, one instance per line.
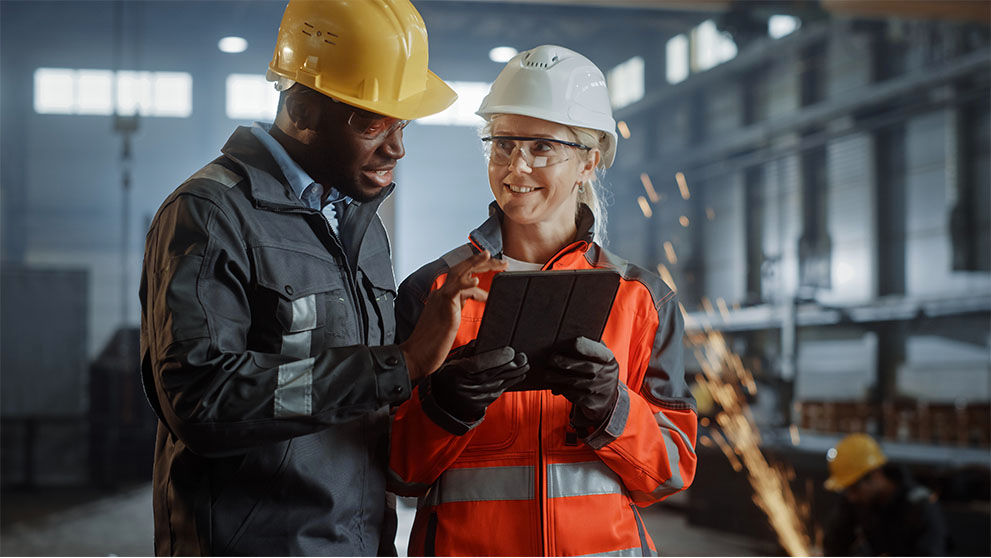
435 97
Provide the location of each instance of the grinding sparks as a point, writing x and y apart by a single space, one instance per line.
682 185
624 130
648 186
662 270
729 382
669 251
723 309
644 206
708 306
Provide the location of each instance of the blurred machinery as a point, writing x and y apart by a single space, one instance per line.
822 201
43 374
66 421
122 423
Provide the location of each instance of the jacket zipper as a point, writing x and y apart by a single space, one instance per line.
541 480
351 278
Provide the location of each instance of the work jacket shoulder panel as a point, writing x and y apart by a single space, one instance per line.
660 292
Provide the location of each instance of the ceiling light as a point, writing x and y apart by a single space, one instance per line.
232 45
502 54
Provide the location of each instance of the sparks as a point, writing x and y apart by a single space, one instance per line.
624 130
644 206
682 185
648 186
669 252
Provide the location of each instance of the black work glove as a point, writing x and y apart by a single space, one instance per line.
587 374
467 384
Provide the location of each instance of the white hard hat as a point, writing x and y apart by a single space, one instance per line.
556 84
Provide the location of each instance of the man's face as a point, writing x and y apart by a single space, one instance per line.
354 150
865 491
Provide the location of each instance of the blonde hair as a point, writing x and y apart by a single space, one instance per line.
590 193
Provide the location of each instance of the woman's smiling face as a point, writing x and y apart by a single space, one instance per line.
541 195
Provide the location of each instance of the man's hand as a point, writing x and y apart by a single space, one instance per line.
432 337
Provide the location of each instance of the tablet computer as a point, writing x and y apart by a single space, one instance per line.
535 311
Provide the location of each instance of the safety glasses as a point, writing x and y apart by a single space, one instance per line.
370 125
536 152
373 126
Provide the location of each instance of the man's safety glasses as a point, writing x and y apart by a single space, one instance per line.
373 126
370 125
536 152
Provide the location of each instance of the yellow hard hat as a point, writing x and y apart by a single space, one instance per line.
370 54
851 459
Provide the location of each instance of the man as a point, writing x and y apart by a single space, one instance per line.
882 512
267 302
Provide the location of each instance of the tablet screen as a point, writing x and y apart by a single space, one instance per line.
536 311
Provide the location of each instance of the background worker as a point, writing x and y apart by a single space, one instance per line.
267 331
558 471
882 511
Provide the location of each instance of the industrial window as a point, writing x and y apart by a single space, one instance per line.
704 47
70 91
626 83
462 112
780 25
251 97
710 47
677 58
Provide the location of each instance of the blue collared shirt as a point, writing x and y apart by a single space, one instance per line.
305 188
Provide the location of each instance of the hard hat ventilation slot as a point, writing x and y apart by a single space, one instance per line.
540 58
310 31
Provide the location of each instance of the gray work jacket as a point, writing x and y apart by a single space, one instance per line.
267 352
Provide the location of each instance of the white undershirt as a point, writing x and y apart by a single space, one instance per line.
517 265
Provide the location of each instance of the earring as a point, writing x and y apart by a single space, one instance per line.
581 187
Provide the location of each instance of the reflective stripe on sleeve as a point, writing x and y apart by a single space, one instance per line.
581 479
217 173
675 483
479 484
293 394
624 552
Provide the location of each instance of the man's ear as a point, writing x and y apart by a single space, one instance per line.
303 110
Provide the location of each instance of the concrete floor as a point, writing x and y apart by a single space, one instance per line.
121 525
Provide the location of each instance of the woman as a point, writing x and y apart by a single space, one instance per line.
559 471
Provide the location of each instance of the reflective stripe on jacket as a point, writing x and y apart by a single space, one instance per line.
520 482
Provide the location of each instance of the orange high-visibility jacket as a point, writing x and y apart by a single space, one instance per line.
520 482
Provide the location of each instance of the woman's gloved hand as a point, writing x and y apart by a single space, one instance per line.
468 383
587 374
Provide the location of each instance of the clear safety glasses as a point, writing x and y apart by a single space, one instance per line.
536 152
373 126
370 125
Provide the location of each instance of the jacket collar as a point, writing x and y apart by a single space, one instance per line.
488 236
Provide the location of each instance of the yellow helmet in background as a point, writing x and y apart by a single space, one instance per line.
851 459
370 54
